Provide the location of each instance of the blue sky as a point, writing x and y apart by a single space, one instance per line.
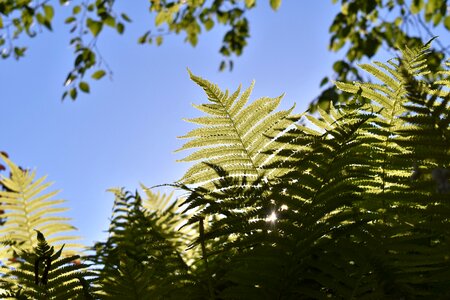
124 132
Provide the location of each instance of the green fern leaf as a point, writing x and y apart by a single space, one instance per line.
144 256
28 207
235 135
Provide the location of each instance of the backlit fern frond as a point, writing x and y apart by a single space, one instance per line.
29 207
168 214
262 230
42 273
348 220
233 135
318 204
232 220
409 150
389 99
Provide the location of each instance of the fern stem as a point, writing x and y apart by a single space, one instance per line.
238 134
385 153
21 195
244 146
204 257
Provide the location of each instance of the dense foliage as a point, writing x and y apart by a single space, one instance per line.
349 204
362 28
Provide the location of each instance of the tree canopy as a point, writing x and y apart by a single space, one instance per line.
363 28
360 30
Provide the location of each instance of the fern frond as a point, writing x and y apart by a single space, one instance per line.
409 142
235 135
144 256
348 221
29 207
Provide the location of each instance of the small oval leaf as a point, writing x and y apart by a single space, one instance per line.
84 86
275 4
98 74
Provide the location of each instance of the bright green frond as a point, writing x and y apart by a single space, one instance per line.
28 207
235 135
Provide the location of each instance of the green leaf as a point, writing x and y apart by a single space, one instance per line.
84 86
163 16
94 26
40 18
159 40
76 9
249 3
126 18
192 39
447 22
222 18
73 93
324 81
222 65
416 6
120 28
110 21
98 74
19 51
143 38
275 4
49 12
208 24
70 20
344 9
160 18
437 19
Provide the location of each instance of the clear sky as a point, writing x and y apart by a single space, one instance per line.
125 131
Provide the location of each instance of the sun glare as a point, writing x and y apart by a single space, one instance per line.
272 217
